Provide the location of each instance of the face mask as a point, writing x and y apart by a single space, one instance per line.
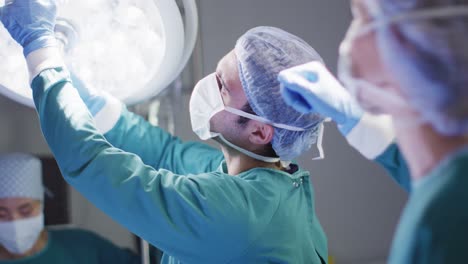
20 236
206 101
372 98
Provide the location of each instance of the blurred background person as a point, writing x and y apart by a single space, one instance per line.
408 59
23 236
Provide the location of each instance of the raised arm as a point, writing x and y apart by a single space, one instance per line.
311 88
374 138
130 132
178 213
184 215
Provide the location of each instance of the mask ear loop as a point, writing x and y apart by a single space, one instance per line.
319 145
284 164
249 153
321 156
261 119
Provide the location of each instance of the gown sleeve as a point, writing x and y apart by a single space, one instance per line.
183 215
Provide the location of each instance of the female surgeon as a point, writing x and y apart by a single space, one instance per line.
408 58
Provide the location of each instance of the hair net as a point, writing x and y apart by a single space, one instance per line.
430 61
21 176
262 53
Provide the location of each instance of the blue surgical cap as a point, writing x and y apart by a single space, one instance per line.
262 53
431 63
21 176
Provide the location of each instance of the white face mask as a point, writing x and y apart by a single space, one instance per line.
19 236
373 98
206 101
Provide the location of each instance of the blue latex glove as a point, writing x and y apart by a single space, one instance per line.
311 88
30 23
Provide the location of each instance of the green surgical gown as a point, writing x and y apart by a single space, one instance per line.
434 224
74 246
177 195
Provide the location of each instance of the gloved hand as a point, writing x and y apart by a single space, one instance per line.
30 22
311 88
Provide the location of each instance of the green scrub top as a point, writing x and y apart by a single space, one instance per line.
178 195
393 161
75 246
434 224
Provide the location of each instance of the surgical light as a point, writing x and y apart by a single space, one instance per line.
132 49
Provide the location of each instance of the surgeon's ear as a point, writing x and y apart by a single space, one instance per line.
260 133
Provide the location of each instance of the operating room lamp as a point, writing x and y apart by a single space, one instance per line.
132 49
